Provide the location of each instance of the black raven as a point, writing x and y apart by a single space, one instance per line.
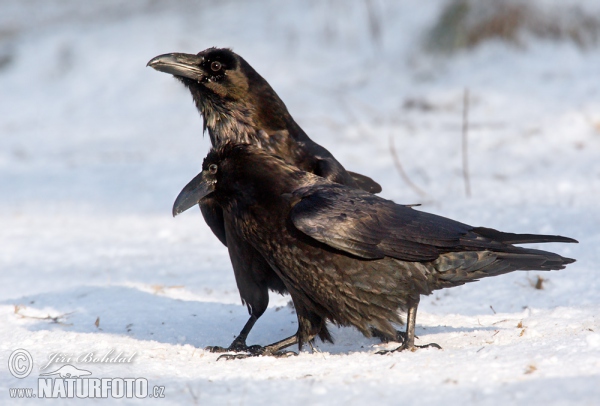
238 105
346 255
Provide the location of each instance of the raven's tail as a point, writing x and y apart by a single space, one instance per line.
457 268
511 238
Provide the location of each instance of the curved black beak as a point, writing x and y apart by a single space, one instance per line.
193 192
186 65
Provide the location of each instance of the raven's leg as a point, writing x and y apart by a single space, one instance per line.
411 319
310 325
409 341
239 344
254 277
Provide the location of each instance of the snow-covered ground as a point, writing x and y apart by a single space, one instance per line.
94 147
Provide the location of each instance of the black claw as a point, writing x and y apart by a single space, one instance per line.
257 351
229 357
383 352
405 346
285 354
434 345
234 347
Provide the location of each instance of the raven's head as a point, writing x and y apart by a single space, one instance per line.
227 91
215 70
243 174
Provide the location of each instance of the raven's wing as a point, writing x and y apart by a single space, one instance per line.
213 215
371 227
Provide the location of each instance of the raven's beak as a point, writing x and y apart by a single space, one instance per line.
193 192
186 65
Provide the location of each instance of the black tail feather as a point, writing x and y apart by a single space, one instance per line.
454 269
535 260
512 238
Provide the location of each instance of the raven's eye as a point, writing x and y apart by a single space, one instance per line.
212 168
215 66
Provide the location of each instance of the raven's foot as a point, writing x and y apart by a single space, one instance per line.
234 347
406 346
257 351
271 350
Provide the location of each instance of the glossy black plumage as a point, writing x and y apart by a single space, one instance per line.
238 105
348 256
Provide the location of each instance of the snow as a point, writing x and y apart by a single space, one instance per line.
94 147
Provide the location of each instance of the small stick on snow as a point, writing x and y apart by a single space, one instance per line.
400 169
53 319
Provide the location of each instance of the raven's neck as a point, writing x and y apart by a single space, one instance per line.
239 122
265 125
232 122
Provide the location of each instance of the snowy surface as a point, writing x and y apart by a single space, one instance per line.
94 147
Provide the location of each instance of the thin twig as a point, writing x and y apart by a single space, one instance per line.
400 169
465 133
53 319
192 394
374 23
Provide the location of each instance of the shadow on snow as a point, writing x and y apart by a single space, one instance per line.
129 312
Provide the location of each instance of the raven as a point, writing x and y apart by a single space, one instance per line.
346 255
238 105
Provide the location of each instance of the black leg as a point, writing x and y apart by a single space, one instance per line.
239 344
309 326
409 338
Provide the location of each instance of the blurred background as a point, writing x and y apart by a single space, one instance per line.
94 146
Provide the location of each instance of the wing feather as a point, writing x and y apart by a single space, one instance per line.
371 227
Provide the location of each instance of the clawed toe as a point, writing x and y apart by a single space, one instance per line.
257 351
235 347
285 354
229 357
405 346
432 345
